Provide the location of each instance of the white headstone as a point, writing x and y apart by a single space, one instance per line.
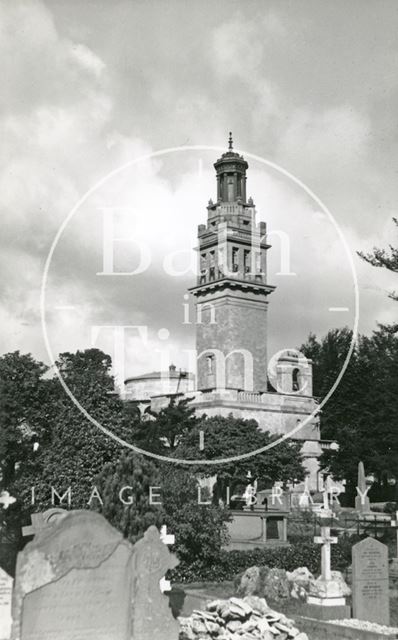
5 604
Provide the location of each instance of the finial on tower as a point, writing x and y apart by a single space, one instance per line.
230 141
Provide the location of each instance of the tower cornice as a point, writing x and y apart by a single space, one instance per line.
232 283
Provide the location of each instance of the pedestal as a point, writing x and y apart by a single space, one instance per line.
326 602
320 612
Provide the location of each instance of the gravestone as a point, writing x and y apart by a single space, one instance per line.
326 599
370 597
5 604
74 580
151 613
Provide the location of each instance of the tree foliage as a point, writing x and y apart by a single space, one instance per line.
229 437
69 451
124 486
362 414
23 410
386 259
166 429
161 494
200 528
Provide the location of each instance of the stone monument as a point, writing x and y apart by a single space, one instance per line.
326 600
370 596
74 580
362 503
5 604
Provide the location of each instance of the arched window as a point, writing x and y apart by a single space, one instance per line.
210 364
295 379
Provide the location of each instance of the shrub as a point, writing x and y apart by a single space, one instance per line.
231 563
390 507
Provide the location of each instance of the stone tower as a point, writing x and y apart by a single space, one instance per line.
231 294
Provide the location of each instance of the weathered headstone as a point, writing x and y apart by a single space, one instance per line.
370 597
5 604
151 613
74 580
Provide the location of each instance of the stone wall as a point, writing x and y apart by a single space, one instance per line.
240 324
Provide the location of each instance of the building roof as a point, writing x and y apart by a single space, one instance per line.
172 373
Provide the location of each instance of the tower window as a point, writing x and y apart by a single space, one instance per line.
203 269
212 271
246 260
258 271
221 259
295 380
230 190
235 259
210 364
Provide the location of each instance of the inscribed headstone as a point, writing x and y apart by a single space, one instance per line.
74 580
370 597
5 604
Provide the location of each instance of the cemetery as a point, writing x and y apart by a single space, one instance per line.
78 577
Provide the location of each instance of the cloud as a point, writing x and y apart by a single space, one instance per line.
81 98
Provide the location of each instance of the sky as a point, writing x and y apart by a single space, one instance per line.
91 87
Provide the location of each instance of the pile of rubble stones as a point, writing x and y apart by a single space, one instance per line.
248 618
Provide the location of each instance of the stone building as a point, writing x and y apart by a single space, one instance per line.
231 297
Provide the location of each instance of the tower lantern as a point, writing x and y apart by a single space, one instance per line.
231 175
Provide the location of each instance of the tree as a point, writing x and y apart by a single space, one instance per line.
71 451
125 489
386 260
362 413
74 451
22 410
228 437
163 433
199 529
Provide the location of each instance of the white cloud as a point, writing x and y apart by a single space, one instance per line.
87 59
76 107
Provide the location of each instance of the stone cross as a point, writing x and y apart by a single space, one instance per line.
6 499
42 520
326 505
166 538
325 539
